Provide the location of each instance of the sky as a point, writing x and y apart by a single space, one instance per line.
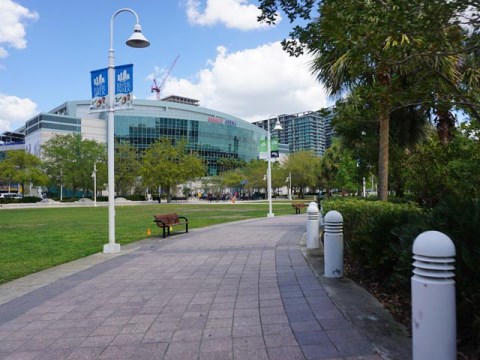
226 59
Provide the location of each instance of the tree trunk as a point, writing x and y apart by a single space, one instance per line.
445 126
384 122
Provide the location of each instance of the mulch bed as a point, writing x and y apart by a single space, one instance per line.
397 303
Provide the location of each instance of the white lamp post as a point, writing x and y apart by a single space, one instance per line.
137 40
269 166
94 176
289 179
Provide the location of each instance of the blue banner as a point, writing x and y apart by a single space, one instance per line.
123 86
99 81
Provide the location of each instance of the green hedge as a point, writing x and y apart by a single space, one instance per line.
370 240
379 237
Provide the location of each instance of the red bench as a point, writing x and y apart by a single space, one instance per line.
168 221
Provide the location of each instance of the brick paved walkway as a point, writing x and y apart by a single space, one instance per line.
235 291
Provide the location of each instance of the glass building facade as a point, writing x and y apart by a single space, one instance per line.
211 134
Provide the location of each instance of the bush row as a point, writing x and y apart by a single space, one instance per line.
379 237
26 199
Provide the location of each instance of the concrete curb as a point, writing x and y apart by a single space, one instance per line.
366 314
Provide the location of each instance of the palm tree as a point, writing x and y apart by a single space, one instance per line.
375 44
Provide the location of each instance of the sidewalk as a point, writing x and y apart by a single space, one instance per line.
234 291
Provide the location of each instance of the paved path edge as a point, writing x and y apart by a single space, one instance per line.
369 317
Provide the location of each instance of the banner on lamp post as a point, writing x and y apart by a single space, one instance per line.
123 98
99 82
123 87
263 149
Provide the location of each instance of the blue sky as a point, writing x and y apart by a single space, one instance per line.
227 60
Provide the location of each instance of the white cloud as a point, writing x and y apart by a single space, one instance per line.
253 83
235 14
13 18
14 111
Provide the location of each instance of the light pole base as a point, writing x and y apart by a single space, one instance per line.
111 248
270 215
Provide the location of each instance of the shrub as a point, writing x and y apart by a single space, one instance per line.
379 237
29 199
136 197
459 219
369 238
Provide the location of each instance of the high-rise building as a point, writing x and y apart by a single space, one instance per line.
309 130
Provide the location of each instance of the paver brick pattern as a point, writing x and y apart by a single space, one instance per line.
235 291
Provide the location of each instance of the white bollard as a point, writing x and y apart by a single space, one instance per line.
312 226
333 245
434 334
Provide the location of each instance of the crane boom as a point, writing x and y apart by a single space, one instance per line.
158 88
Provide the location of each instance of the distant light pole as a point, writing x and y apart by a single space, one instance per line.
289 179
94 176
61 185
269 166
137 40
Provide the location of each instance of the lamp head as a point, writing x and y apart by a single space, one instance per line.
278 126
137 40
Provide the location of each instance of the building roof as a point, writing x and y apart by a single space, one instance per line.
181 100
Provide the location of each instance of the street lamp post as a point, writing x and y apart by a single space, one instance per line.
137 40
269 166
61 185
289 179
94 176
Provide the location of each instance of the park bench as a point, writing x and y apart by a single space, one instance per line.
298 207
168 221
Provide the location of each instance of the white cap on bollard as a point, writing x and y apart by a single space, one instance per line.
433 244
333 217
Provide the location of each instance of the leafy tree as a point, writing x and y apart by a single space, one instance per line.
69 160
166 165
338 169
228 164
22 167
355 124
434 171
127 167
305 168
233 178
378 45
256 175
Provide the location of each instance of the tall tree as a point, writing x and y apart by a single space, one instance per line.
375 44
338 169
305 169
69 160
127 167
23 168
228 164
165 165
355 124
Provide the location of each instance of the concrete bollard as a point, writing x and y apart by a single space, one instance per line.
333 245
312 226
434 332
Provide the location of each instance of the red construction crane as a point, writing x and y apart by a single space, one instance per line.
158 88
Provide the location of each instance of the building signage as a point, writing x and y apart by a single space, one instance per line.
217 120
123 88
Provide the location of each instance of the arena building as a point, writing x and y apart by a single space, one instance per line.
212 134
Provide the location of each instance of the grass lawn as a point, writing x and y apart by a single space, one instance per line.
36 239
